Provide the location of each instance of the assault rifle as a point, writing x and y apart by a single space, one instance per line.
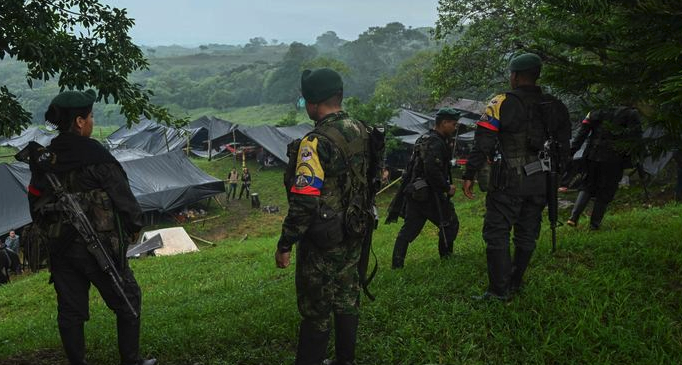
551 160
68 204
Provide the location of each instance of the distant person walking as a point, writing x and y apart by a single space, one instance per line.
246 183
232 180
12 242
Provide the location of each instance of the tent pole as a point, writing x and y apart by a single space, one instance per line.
234 145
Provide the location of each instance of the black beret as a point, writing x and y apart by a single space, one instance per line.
74 99
449 113
524 62
320 85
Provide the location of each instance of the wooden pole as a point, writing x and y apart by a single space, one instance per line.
389 185
201 239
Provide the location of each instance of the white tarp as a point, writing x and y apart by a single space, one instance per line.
175 241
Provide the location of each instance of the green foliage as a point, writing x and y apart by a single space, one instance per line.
375 112
586 304
603 52
101 55
283 86
328 42
332 63
408 87
289 119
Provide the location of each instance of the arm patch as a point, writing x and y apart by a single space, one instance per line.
309 172
491 118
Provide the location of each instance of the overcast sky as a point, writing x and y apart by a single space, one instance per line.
187 22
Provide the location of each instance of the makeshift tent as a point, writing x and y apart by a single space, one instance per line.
296 131
128 154
14 211
169 181
466 106
175 241
410 122
150 137
210 132
159 183
270 138
27 135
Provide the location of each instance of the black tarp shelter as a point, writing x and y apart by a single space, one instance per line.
160 183
273 139
150 137
411 122
209 132
27 135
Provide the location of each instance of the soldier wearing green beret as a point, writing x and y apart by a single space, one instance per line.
511 135
330 168
426 190
84 167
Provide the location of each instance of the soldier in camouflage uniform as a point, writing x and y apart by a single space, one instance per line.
327 279
85 168
430 163
511 134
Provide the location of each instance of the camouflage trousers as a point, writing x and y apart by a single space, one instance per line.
327 281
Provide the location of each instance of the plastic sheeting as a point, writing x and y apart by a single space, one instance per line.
150 137
169 181
412 122
210 128
270 138
27 135
159 183
296 131
14 211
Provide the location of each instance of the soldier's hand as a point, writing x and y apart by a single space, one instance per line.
452 190
282 259
468 188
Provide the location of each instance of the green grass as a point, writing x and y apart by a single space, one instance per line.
606 297
250 115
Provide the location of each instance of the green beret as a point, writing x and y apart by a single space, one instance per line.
74 99
320 85
524 62
449 113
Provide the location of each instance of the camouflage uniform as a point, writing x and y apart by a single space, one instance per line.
326 276
327 279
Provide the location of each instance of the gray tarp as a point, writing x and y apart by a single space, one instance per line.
270 138
412 138
411 121
27 135
210 128
150 137
160 183
296 131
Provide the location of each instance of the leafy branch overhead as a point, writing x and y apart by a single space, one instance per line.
81 43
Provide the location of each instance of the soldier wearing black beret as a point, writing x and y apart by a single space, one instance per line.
510 135
330 169
84 167
426 190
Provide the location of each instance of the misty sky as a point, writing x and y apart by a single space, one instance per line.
187 22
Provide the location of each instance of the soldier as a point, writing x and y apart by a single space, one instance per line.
427 189
605 162
86 168
511 134
329 164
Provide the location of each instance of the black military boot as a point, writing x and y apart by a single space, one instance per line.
499 272
73 339
399 253
312 344
129 342
578 208
598 212
521 261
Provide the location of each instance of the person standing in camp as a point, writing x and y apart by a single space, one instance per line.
85 168
512 134
12 242
427 190
605 162
328 174
232 180
246 183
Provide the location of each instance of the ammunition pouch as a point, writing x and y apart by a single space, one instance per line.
498 175
418 190
327 229
356 220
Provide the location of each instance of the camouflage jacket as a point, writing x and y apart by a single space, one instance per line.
320 172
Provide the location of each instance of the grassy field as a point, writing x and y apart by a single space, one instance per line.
251 115
606 297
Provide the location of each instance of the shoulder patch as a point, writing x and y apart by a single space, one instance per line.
309 173
491 118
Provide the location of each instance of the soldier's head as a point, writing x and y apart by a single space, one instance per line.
322 90
524 70
446 121
71 111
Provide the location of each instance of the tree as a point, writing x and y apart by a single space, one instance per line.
604 52
83 44
283 85
408 87
328 42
